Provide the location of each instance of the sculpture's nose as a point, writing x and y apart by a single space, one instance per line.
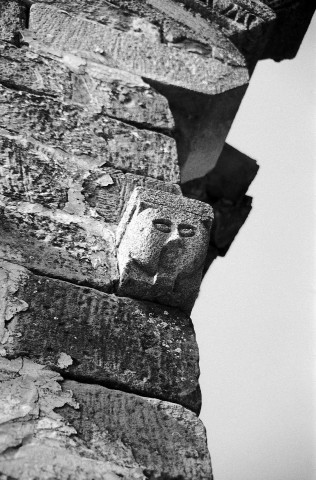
174 239
170 259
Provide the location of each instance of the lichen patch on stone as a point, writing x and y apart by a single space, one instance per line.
64 360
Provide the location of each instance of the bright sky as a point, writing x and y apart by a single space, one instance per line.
254 315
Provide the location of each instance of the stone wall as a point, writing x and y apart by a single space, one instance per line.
117 192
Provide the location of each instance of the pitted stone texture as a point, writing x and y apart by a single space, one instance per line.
123 343
77 248
36 442
79 81
34 172
59 212
60 32
158 20
12 20
162 242
86 136
104 435
178 60
165 439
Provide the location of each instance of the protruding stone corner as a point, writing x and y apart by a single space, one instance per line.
224 188
52 427
164 439
150 349
292 21
100 99
202 123
162 241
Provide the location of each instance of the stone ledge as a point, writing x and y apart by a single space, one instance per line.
80 81
34 172
51 428
61 32
77 132
119 342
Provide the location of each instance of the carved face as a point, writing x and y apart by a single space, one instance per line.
165 243
162 241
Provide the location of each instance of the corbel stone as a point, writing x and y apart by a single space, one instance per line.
122 343
225 189
162 242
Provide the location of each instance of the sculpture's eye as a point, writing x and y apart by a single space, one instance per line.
186 230
162 225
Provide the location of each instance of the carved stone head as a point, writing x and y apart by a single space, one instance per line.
162 242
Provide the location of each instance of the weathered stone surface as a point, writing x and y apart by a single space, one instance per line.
77 248
54 209
162 241
292 20
34 172
247 23
123 343
167 440
105 435
138 53
35 441
88 136
12 20
163 20
178 60
77 80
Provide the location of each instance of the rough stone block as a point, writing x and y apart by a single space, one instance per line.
34 172
36 442
123 343
162 242
182 58
59 213
76 248
247 23
77 80
87 136
136 51
166 439
50 428
12 20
